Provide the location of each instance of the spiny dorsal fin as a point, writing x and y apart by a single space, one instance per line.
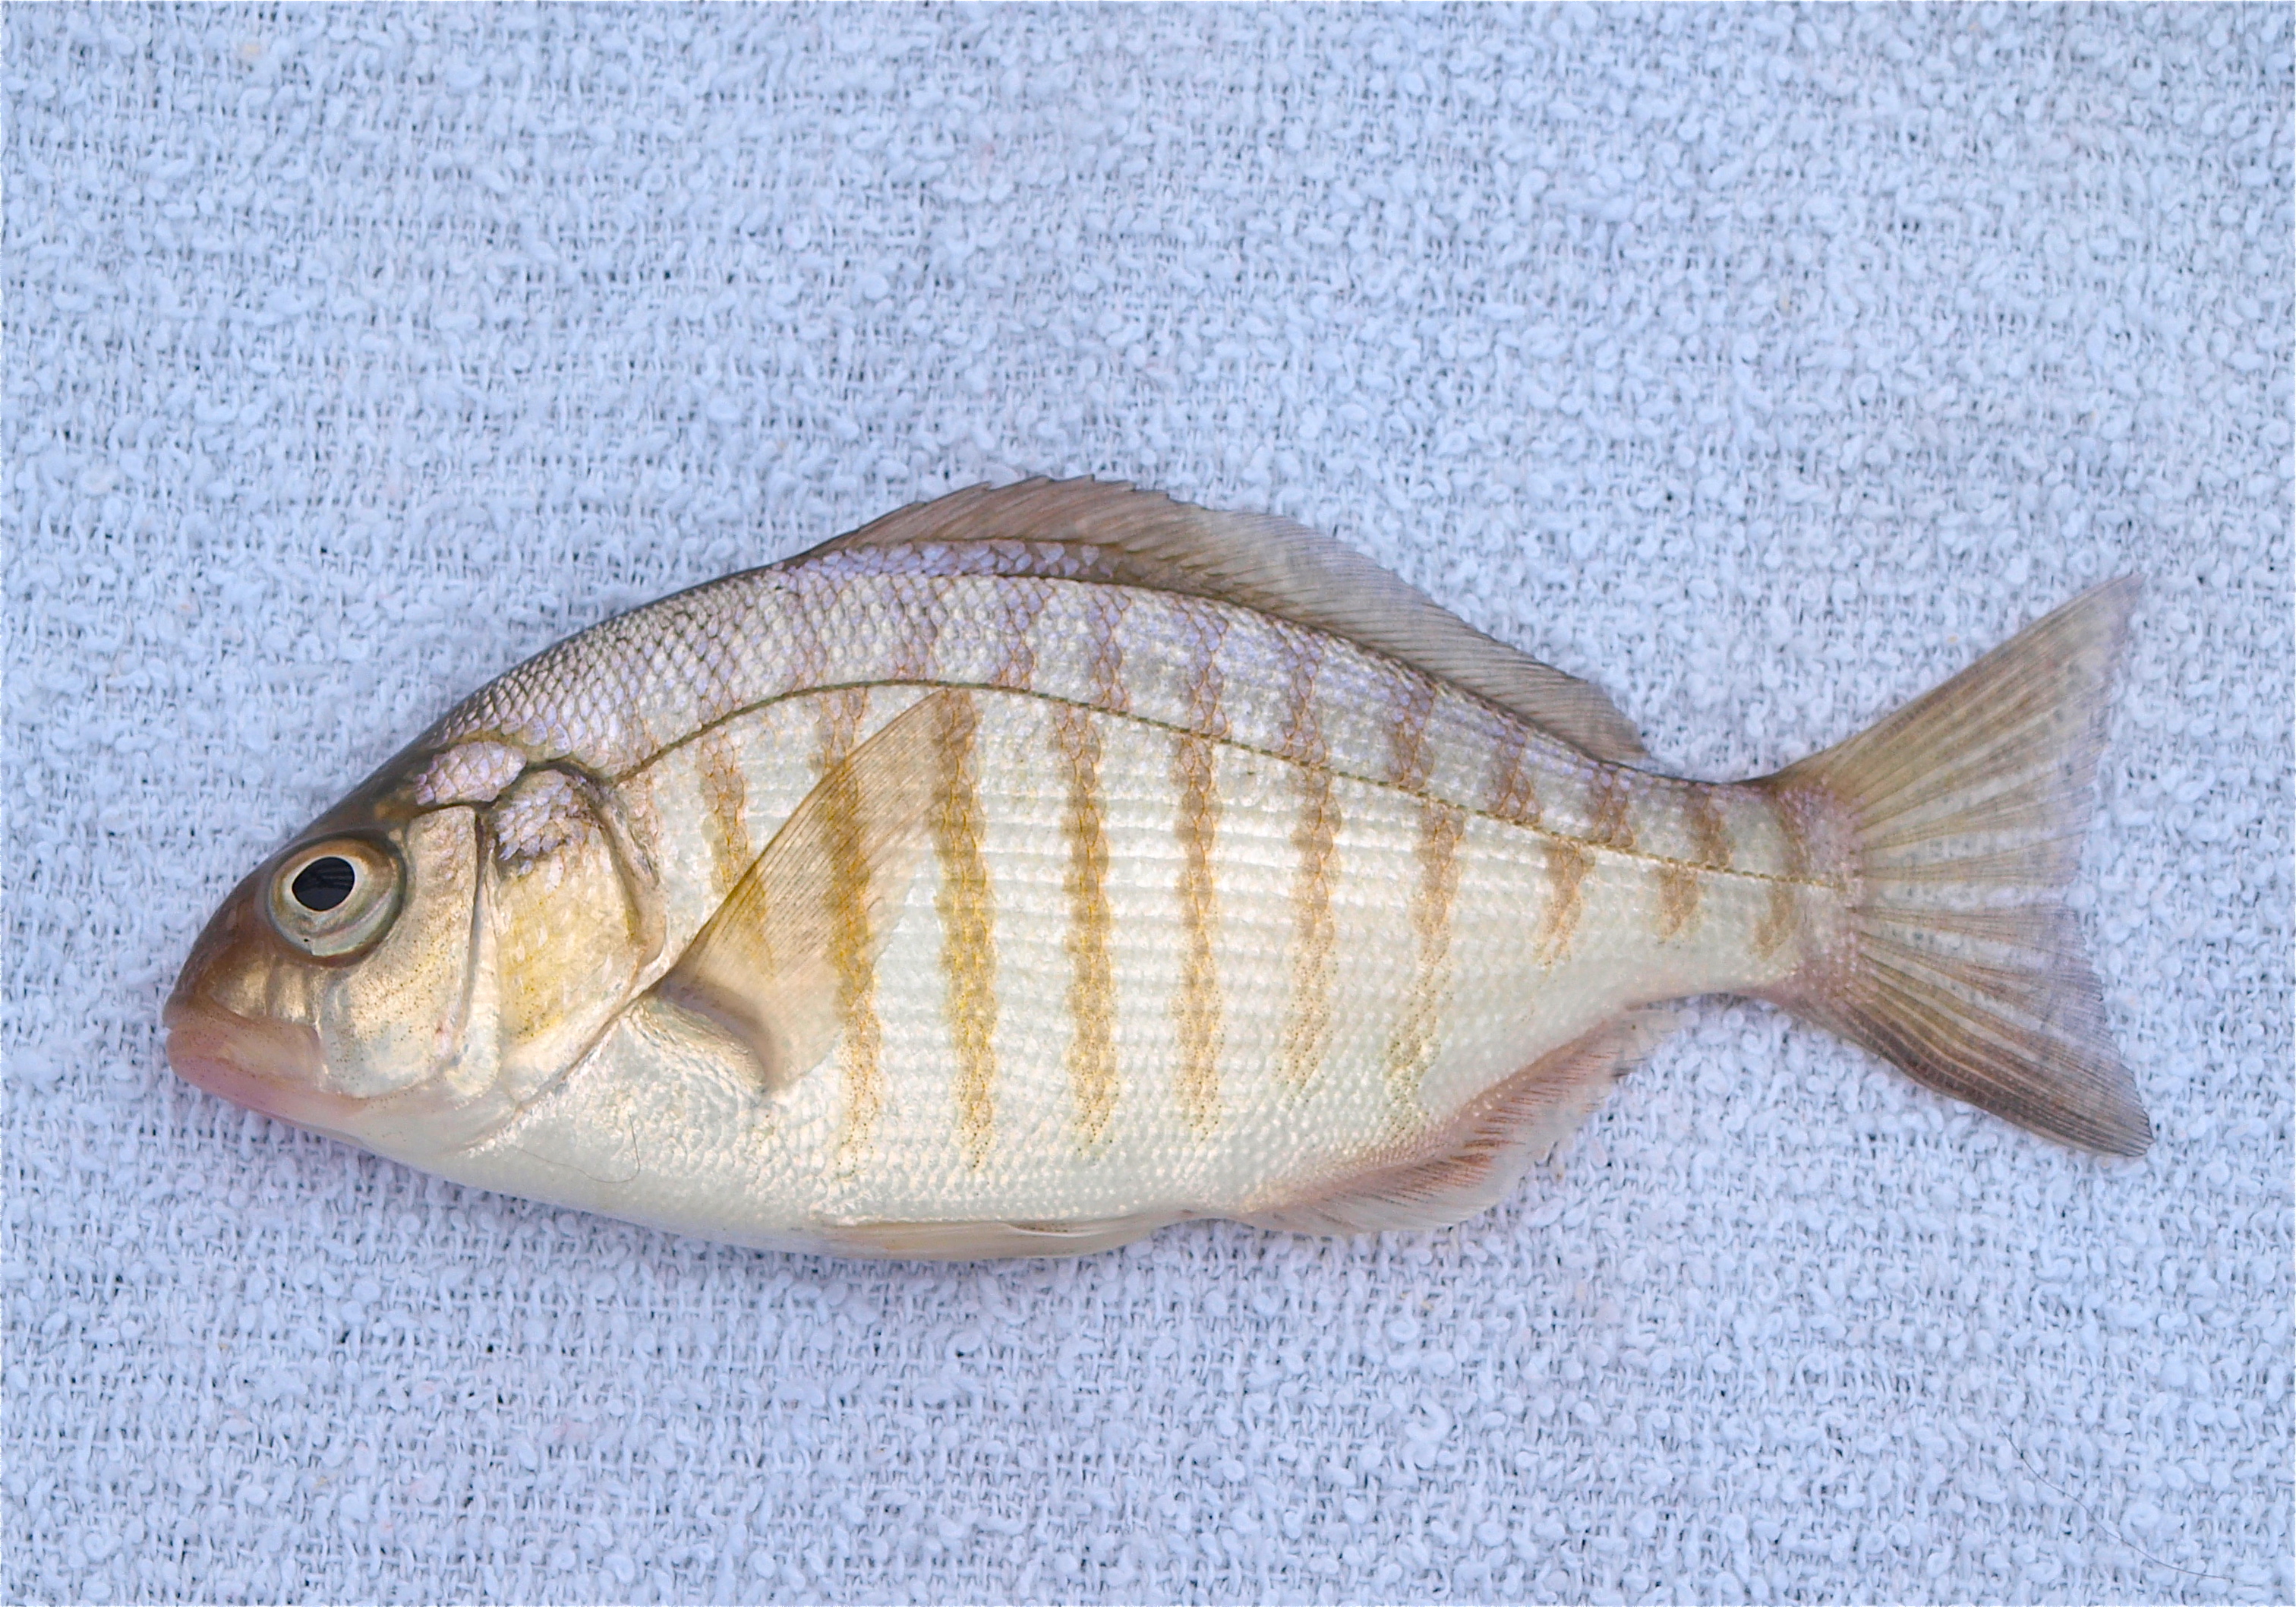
765 967
1259 561
1475 1159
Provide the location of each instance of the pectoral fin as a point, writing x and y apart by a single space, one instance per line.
776 967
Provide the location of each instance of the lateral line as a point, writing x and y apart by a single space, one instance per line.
1424 795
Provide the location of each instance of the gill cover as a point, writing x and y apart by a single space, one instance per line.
389 1015
569 918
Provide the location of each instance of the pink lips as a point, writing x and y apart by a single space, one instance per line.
273 1067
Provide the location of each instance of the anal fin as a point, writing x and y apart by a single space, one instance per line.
1474 1160
770 967
988 1241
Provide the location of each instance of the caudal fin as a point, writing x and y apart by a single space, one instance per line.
1964 813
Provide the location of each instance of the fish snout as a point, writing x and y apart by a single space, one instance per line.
273 1067
260 1062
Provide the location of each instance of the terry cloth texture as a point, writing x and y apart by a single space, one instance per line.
1763 365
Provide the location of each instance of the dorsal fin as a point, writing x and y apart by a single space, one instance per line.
765 968
1259 561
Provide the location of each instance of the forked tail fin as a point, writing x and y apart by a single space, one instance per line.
1959 821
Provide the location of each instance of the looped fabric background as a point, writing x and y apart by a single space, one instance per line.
1763 365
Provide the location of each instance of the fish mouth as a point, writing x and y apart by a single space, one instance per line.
272 1067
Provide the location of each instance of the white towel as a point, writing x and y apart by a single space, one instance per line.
1763 365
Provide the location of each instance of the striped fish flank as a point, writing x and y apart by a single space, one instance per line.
1315 838
1039 867
850 938
1091 1057
967 909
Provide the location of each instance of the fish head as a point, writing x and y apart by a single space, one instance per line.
335 978
407 976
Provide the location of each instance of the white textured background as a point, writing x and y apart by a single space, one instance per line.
1763 364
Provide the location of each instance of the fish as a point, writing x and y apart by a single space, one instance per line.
1041 865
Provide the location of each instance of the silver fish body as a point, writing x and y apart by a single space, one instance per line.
1040 866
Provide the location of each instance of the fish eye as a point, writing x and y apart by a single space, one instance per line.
324 884
333 898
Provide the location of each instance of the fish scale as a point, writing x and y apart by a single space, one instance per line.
860 629
1039 866
1401 1018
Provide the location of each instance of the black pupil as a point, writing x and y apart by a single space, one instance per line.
324 884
